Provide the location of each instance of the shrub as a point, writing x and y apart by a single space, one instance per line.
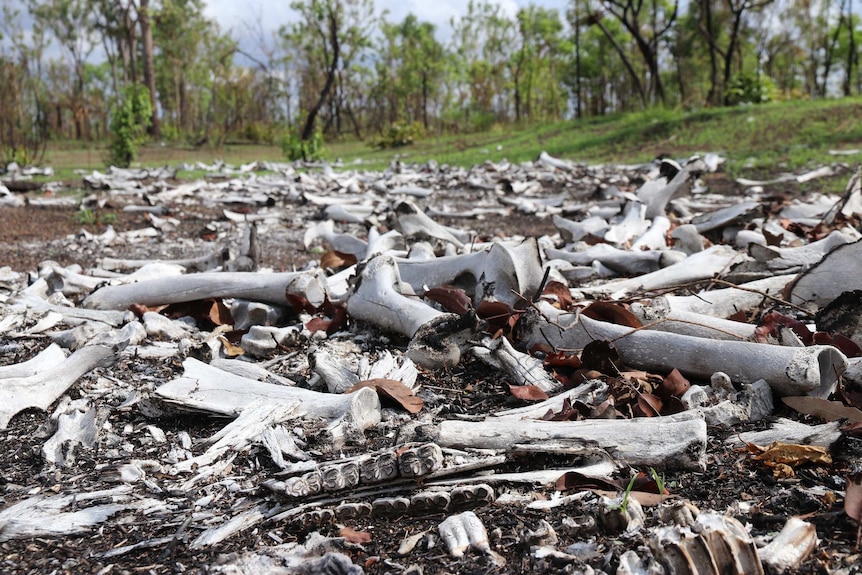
129 125
748 89
397 135
309 150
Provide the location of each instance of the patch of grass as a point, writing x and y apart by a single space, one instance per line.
758 141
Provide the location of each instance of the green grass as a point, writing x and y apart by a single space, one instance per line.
757 141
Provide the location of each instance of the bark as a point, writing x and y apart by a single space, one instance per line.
331 73
149 64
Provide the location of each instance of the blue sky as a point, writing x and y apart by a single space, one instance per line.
242 17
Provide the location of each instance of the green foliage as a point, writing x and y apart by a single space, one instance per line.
88 217
260 133
397 135
749 89
624 505
294 148
129 125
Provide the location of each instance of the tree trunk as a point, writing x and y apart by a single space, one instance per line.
625 59
149 64
308 127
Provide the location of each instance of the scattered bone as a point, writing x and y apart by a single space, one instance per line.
77 424
463 531
677 440
206 388
790 547
790 371
45 386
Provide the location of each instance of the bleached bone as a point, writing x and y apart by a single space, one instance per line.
159 326
344 243
700 266
42 516
240 522
632 225
714 544
627 262
269 288
724 217
246 429
790 547
790 371
465 530
77 337
789 431
71 315
725 302
687 239
43 388
262 340
413 223
552 162
248 313
666 442
809 254
836 273
206 388
352 213
655 238
79 424
505 273
69 283
524 369
250 370
379 298
382 298
45 359
658 316
572 231
656 197
197 264
382 243
591 392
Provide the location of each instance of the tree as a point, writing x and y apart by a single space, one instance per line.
149 63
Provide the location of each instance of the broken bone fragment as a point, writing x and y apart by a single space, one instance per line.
810 370
255 286
381 298
674 441
463 531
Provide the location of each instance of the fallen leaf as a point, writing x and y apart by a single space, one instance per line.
790 454
450 298
771 323
353 536
208 313
230 349
575 480
335 260
568 412
559 292
853 497
602 356
562 359
394 390
316 324
649 404
497 315
674 385
611 313
844 344
822 408
299 303
528 392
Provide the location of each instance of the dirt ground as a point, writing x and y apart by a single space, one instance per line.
731 481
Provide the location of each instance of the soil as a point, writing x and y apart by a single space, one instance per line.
732 480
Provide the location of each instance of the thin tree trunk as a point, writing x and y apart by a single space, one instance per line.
308 128
149 64
625 59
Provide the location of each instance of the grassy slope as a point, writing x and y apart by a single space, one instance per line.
757 140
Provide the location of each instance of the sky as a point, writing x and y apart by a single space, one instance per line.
245 17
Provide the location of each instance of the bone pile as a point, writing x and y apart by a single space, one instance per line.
703 305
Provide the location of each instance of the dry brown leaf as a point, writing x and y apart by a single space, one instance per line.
790 454
649 404
353 536
559 292
822 408
528 392
394 390
673 385
450 298
230 349
334 260
611 313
